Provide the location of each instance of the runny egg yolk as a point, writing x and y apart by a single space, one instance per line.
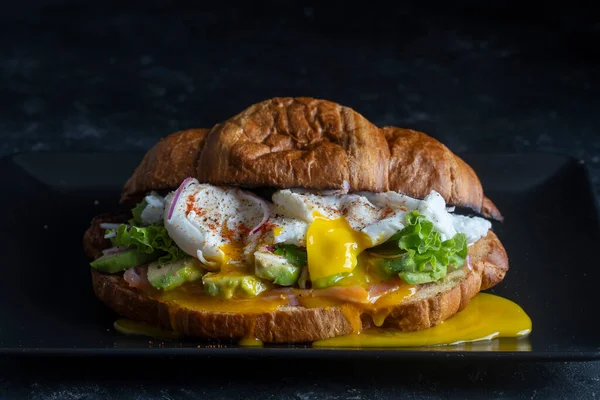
231 252
486 317
333 247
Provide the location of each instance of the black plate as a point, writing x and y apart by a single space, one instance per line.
47 306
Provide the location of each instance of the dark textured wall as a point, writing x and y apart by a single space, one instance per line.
480 76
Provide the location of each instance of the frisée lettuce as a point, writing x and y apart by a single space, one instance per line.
417 254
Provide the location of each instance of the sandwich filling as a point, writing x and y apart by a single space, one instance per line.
232 244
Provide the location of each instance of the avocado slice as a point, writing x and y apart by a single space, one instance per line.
169 276
117 262
276 268
232 284
327 281
401 265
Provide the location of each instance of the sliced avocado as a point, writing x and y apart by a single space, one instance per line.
117 262
403 266
327 281
294 254
170 275
276 268
232 284
415 278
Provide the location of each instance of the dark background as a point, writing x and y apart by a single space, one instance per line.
480 76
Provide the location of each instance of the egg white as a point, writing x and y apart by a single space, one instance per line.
378 215
204 213
205 218
154 210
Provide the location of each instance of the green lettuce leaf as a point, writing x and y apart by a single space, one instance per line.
417 254
294 254
137 213
150 239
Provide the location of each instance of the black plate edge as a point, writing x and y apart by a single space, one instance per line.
308 353
340 353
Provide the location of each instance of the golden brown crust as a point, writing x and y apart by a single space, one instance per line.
428 312
419 164
489 265
166 164
490 260
310 143
296 142
490 210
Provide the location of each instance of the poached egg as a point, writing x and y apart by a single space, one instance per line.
212 223
225 225
336 228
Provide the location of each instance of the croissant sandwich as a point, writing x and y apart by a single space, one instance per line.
293 221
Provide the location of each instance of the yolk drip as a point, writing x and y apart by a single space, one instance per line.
231 252
192 297
359 276
129 327
486 317
250 342
333 247
378 311
396 297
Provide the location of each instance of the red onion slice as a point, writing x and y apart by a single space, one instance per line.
132 277
137 277
177 194
263 205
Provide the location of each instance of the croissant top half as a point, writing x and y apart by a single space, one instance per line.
314 144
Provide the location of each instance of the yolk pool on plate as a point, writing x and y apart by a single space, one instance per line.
129 327
486 317
250 342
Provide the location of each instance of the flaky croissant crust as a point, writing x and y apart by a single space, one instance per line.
310 143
